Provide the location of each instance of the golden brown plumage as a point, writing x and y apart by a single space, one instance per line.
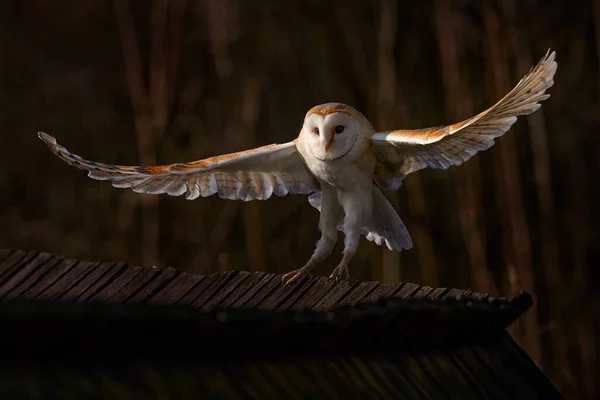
332 108
247 175
402 152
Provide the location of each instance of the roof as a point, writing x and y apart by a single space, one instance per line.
364 337
453 315
494 370
39 275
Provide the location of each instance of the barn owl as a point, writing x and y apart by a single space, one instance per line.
340 161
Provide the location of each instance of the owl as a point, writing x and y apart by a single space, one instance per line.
339 161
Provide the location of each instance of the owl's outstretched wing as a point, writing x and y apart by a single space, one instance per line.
402 152
248 175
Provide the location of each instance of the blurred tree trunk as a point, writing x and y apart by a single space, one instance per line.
387 117
585 340
515 238
546 212
459 105
245 101
152 102
241 128
386 101
249 110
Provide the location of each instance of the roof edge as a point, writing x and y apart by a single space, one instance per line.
109 330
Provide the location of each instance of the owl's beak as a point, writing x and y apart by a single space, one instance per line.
329 143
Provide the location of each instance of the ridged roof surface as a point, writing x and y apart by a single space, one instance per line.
36 275
328 340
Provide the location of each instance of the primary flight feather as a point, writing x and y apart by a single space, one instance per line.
340 161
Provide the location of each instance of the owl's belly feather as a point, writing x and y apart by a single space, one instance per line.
339 175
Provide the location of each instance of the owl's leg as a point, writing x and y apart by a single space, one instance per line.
341 271
328 227
354 205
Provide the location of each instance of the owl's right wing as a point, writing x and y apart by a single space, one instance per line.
402 152
253 174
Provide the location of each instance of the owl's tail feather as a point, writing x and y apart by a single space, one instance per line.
386 228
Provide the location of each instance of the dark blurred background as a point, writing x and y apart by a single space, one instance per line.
154 81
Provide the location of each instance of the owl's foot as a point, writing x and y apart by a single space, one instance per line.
293 276
340 272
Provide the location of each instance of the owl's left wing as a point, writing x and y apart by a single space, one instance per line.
402 152
254 174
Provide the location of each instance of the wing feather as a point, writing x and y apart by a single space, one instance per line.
254 174
402 152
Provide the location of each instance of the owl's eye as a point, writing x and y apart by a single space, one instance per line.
316 130
339 129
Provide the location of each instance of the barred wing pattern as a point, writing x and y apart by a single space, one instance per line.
402 152
248 175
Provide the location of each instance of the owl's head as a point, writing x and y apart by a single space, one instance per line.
335 130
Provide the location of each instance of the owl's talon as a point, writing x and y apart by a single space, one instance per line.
293 276
340 273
